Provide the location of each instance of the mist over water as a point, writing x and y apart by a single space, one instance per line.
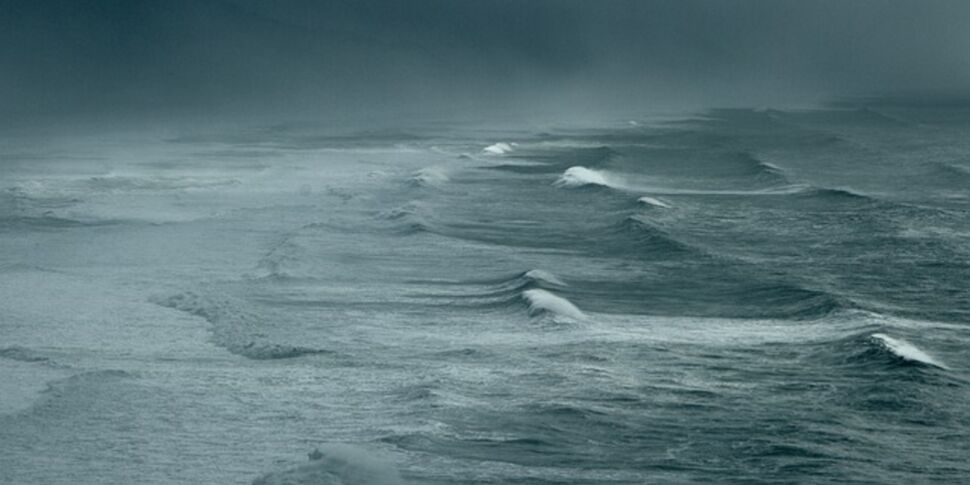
139 60
441 242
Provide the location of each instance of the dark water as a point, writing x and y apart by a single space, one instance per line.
741 296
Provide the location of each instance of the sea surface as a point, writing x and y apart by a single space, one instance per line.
728 296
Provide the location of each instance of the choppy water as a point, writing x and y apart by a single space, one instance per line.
738 296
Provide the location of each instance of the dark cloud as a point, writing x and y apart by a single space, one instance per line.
345 57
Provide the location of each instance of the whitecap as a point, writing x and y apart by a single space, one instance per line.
499 148
905 350
575 177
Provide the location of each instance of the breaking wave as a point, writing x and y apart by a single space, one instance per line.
429 177
499 148
545 302
905 351
575 177
534 288
233 328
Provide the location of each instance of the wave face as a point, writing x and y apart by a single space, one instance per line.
767 295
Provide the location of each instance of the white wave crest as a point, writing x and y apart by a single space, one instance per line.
544 276
500 148
906 350
575 177
653 201
543 301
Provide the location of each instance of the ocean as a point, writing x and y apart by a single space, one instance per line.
727 296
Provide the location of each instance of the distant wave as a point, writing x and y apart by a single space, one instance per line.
790 301
48 222
948 174
535 288
542 301
905 351
500 148
22 354
833 194
83 382
506 287
646 235
429 177
336 465
24 268
575 177
234 328
410 218
133 183
521 166
748 165
69 190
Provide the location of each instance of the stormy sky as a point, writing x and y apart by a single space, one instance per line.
323 58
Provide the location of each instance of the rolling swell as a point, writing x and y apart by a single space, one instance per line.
747 165
561 158
641 236
534 289
234 328
790 301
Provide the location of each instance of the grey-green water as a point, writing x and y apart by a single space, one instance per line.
741 296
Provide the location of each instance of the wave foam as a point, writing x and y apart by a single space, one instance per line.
905 350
